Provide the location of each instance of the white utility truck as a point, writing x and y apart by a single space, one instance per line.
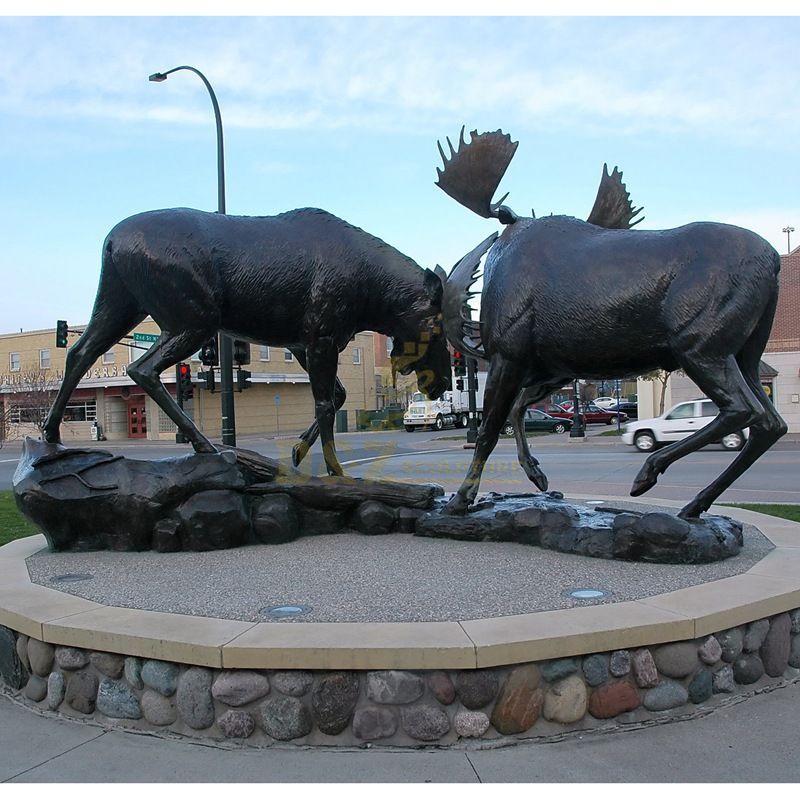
451 410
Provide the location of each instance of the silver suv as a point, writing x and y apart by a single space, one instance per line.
678 423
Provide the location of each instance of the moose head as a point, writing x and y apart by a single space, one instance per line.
424 349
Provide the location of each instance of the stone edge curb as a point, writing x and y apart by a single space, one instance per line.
770 587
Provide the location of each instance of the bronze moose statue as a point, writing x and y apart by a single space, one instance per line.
564 298
305 280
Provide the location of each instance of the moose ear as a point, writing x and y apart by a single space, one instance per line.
434 284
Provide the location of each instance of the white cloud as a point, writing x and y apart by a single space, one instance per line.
624 75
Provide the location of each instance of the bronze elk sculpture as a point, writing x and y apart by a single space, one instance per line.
305 280
564 299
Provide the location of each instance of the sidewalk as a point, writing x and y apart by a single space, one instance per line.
750 740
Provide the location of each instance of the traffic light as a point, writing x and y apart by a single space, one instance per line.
209 353
241 352
460 384
184 377
459 364
61 334
242 379
207 380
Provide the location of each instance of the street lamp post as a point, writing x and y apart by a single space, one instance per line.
225 342
788 230
577 430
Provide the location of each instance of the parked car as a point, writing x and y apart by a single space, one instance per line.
539 421
591 414
629 408
678 423
604 402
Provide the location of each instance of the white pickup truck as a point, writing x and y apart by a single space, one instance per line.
451 410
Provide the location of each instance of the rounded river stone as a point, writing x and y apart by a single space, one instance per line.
595 669
755 635
620 663
115 699
333 701
108 664
36 688
553 670
710 652
441 686
701 687
722 681
161 676
56 689
239 687
731 642
776 646
22 652
158 709
566 700
520 701
193 698
470 723
236 724
676 660
41 656
133 672
292 683
794 652
644 669
81 693
12 672
285 718
666 695
372 723
71 659
394 687
425 722
748 669
477 688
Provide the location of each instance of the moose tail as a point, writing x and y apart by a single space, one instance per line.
472 173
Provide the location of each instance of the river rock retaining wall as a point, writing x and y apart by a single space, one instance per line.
405 708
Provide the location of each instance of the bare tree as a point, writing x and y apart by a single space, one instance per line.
660 376
28 401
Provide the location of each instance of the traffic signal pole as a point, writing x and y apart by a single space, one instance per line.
472 389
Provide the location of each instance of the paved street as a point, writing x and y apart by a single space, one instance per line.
602 465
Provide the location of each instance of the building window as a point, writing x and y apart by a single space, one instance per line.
389 345
13 361
196 356
287 355
108 357
76 411
44 359
356 355
263 353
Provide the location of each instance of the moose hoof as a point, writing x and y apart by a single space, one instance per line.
691 511
537 477
645 480
299 451
457 506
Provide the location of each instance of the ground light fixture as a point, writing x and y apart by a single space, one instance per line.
285 611
587 594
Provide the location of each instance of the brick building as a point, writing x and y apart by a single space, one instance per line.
278 401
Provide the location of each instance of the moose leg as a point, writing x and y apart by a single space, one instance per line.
526 397
322 357
764 431
307 439
502 386
103 331
167 351
723 382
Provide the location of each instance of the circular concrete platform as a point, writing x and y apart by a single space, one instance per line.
391 602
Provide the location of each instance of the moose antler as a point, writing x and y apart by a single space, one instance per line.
472 173
613 208
461 330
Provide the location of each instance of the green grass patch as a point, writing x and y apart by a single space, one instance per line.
13 524
613 432
790 512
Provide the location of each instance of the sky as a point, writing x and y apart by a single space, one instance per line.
700 113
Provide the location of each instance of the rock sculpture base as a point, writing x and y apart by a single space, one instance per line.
85 499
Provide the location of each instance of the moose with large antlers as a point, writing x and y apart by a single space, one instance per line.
565 298
305 280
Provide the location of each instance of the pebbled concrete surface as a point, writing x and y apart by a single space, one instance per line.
353 578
